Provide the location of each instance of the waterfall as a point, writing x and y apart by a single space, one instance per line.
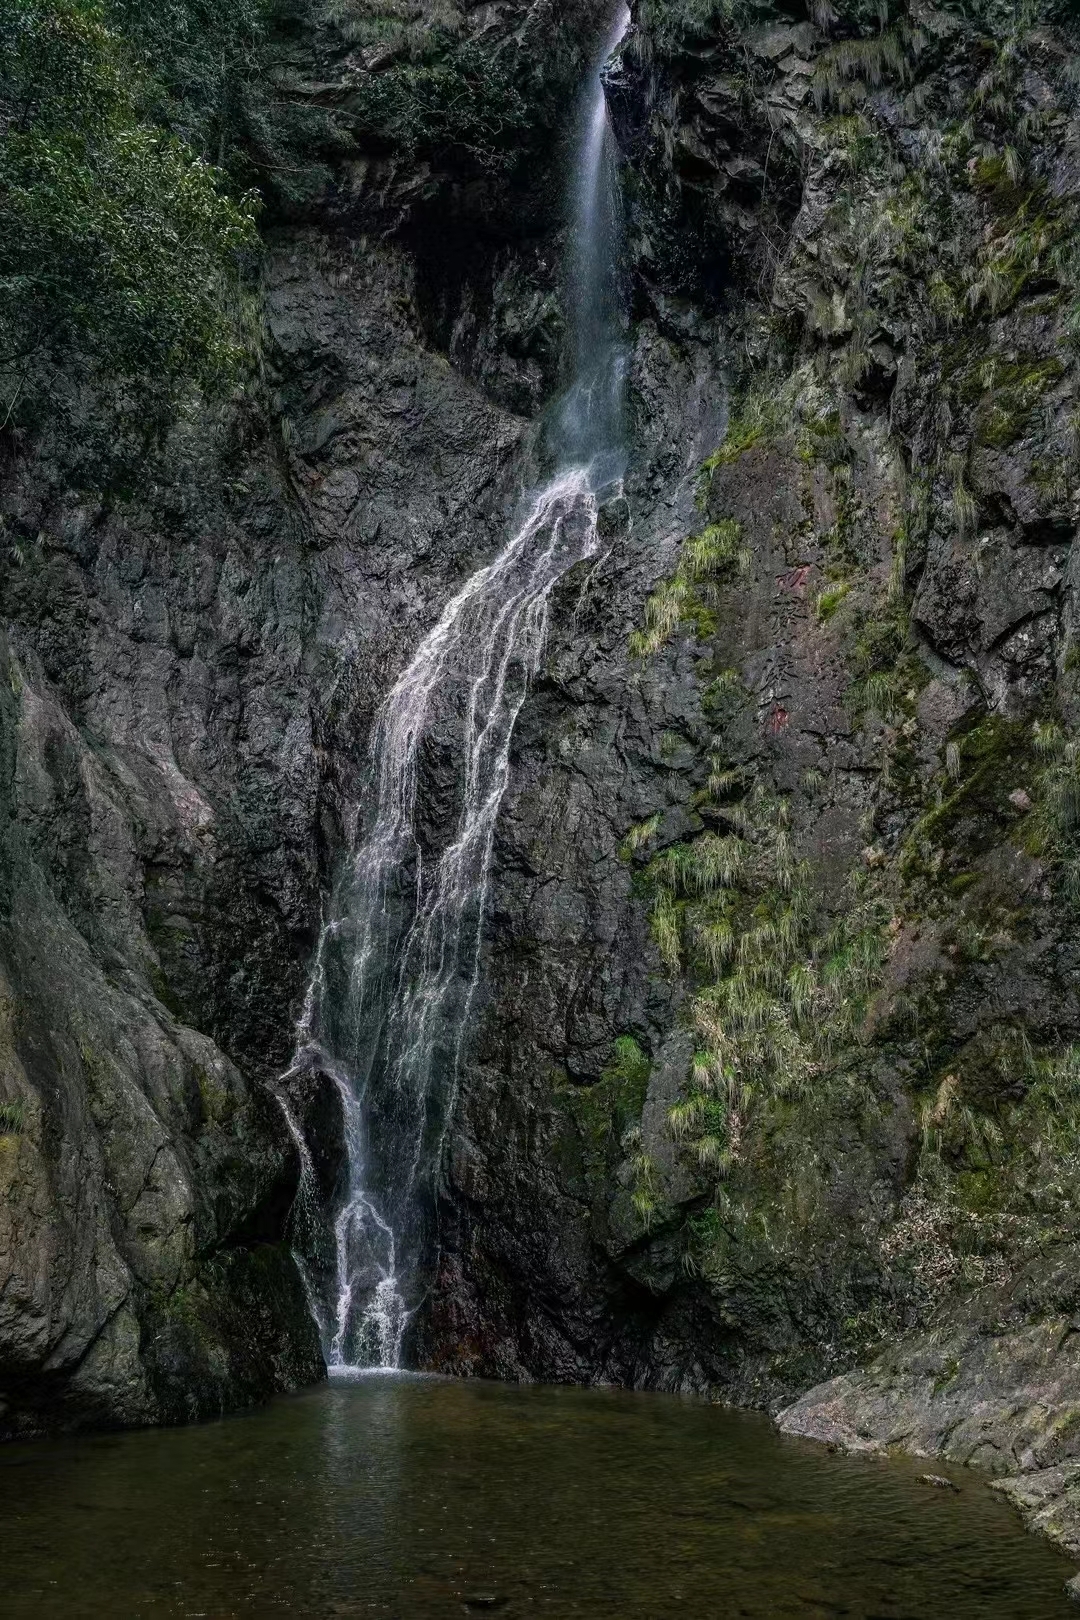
397 964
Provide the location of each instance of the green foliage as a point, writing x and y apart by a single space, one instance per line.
1010 391
645 1194
929 225
204 64
117 243
690 595
780 993
223 78
1055 820
670 23
1033 240
878 662
128 134
459 96
999 1171
760 418
627 1077
639 836
228 80
830 599
821 438
12 1118
845 73
607 1118
768 405
855 141
971 804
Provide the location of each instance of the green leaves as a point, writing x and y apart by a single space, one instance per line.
117 242
459 96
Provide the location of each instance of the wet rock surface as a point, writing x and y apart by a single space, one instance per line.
190 672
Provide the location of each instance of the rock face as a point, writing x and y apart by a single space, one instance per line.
821 1111
773 1078
190 671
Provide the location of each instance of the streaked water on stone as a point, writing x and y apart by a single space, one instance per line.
397 964
423 1499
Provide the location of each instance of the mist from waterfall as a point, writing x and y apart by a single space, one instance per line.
397 965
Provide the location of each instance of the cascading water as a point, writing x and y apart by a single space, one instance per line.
397 964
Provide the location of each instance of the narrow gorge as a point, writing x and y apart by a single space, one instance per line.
539 774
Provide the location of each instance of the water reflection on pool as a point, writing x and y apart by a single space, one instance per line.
413 1497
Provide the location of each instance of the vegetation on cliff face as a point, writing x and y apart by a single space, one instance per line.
117 241
139 145
910 376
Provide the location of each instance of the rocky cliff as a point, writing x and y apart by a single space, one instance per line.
773 1078
820 1113
193 650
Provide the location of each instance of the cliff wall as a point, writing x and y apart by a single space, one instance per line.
773 1078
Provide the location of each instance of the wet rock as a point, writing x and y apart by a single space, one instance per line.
1008 1404
188 677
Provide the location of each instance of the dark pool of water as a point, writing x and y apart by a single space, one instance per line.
407 1497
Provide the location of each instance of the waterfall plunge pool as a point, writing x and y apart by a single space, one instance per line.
421 1498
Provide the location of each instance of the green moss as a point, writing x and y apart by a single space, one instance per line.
879 640
639 837
846 72
606 1112
670 23
887 674
183 1311
627 1079
822 439
856 140
1054 825
760 418
217 1101
991 757
724 691
840 539
160 983
1031 238
1000 1167
948 1374
778 990
1012 392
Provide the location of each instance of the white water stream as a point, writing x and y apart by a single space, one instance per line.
396 969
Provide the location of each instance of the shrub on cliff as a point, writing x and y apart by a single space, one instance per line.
205 66
116 238
456 96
